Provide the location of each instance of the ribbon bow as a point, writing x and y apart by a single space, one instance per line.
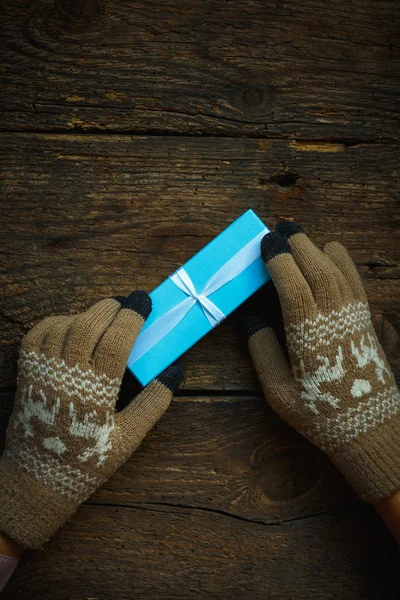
184 283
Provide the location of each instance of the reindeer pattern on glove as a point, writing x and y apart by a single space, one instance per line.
53 397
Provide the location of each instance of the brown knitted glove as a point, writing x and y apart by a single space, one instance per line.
338 389
64 438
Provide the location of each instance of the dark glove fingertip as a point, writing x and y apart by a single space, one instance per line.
254 323
172 377
138 301
272 245
287 228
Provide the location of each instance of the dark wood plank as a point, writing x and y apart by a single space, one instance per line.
148 553
90 216
232 455
221 497
266 69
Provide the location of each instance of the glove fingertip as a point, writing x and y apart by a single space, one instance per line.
272 245
138 301
287 228
172 377
254 323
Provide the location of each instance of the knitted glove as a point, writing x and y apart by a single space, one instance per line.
338 389
64 438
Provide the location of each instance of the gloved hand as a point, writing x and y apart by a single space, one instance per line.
64 438
337 388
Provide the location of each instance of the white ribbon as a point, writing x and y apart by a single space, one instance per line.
169 320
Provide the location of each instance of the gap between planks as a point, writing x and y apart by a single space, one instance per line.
306 144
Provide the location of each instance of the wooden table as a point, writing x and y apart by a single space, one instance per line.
131 134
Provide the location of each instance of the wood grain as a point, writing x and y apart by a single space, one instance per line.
92 216
304 70
229 454
158 552
222 496
131 134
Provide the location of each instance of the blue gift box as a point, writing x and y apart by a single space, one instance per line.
193 300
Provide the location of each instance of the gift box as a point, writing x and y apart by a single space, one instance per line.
199 295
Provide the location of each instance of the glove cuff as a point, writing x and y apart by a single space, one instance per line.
371 462
29 512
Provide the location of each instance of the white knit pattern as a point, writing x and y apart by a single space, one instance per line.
70 381
69 481
62 426
325 328
345 384
348 425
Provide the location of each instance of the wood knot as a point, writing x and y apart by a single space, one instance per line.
254 100
79 12
287 473
253 96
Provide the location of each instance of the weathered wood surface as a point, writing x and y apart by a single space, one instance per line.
296 69
288 108
90 216
160 552
229 454
222 497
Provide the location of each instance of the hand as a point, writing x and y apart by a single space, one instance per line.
9 548
64 438
337 388
389 509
